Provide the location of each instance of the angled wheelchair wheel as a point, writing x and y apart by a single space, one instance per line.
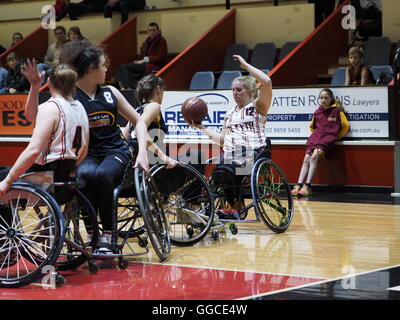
271 195
81 232
187 201
31 226
153 214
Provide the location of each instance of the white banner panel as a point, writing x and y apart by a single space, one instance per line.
290 113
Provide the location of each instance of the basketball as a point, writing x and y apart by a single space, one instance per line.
194 110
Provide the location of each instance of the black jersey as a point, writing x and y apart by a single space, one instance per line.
154 127
102 111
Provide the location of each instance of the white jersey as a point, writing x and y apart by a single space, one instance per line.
71 133
245 128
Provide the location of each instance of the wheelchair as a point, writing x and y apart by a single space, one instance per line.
266 187
44 224
138 216
187 201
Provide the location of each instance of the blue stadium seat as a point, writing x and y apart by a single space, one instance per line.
377 51
202 81
339 77
238 49
287 47
263 56
382 74
226 78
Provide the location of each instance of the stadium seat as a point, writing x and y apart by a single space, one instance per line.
286 48
382 74
377 51
238 49
202 81
339 77
263 56
226 78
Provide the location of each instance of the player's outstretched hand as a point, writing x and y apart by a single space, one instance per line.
31 73
243 63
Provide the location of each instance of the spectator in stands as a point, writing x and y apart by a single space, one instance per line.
357 73
16 82
3 78
322 9
329 124
84 7
61 7
17 37
369 17
52 57
74 33
123 6
153 55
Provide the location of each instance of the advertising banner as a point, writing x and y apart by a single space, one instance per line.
12 116
290 113
289 116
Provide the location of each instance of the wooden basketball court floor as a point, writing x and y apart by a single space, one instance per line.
339 246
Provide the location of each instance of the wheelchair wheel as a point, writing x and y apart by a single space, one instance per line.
153 214
271 195
80 220
187 201
31 225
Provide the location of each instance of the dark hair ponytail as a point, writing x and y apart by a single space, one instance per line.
146 86
80 55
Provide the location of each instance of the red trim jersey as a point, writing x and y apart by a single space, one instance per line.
71 133
245 127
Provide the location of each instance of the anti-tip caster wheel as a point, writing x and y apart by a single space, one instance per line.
93 268
233 228
215 235
123 264
143 242
60 280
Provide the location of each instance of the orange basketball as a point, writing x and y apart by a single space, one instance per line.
194 110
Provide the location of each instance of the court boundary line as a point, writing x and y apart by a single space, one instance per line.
316 283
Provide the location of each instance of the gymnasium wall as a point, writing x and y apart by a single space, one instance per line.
257 21
391 19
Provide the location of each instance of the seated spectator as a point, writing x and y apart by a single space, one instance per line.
153 57
16 82
17 37
61 7
3 78
357 73
123 6
74 33
52 57
84 7
369 17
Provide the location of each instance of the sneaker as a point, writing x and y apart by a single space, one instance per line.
305 191
295 190
227 214
104 246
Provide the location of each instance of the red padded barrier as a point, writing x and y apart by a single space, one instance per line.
205 54
314 54
121 45
32 46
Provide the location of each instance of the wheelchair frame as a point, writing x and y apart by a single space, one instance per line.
266 193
